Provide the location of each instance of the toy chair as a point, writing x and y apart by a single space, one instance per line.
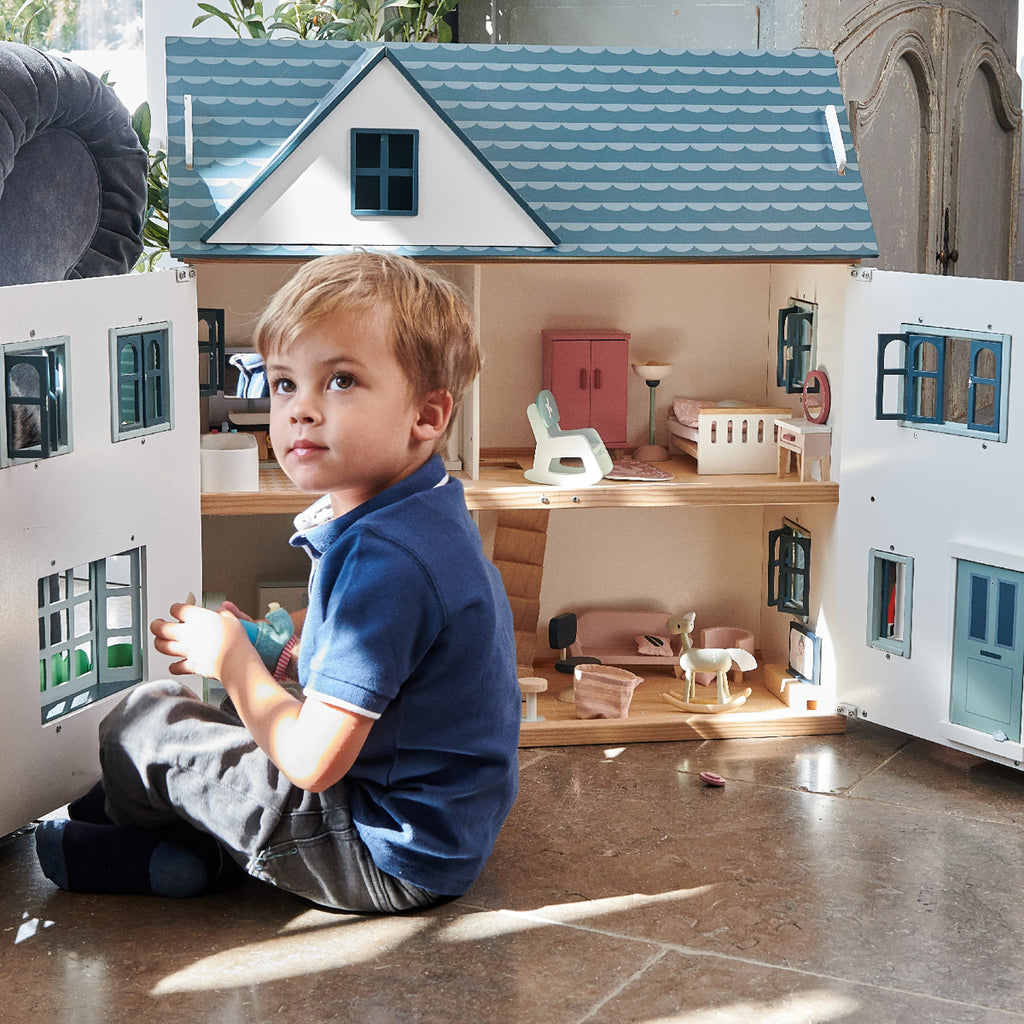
725 636
554 445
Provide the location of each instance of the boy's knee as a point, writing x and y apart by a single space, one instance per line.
141 700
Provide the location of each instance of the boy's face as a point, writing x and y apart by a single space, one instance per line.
343 417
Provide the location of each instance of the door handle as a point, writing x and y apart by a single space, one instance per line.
597 379
945 255
583 378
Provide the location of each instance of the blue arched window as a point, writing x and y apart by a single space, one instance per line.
955 383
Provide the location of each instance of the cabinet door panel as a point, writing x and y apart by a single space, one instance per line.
609 368
570 381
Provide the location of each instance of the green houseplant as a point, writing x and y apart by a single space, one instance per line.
369 20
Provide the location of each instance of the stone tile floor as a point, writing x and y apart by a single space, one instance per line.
854 878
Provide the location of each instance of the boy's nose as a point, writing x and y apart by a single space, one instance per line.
305 410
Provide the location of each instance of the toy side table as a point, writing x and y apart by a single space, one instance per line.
807 441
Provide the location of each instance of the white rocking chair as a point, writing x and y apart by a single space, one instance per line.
555 445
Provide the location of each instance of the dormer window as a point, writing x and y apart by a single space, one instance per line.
385 175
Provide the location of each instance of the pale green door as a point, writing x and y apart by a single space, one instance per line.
988 649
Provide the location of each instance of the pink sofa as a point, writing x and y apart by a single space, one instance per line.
611 637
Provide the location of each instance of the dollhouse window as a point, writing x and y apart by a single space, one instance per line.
890 592
796 345
789 569
212 352
90 632
36 399
385 173
140 378
955 383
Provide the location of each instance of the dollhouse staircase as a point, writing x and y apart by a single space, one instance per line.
520 539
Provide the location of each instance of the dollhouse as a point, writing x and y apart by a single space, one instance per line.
704 211
707 209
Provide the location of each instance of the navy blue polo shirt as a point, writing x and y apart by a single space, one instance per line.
408 623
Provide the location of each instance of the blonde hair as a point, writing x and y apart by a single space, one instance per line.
432 328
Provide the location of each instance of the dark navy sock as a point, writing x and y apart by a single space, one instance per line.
82 856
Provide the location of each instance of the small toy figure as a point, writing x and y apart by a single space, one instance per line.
714 660
274 639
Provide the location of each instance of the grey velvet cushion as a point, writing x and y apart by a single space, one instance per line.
72 172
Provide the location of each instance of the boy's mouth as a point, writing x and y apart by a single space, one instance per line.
303 448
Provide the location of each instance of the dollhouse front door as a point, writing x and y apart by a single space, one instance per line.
988 650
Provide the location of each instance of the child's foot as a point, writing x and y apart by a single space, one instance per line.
81 856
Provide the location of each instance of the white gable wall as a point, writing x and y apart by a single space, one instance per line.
98 500
306 200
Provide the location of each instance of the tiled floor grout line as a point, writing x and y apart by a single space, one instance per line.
637 975
664 948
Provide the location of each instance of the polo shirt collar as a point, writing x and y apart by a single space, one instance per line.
317 528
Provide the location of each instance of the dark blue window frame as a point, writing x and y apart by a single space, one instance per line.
43 407
789 571
795 347
141 377
919 395
385 172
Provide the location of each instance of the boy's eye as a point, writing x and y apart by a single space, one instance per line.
342 382
282 386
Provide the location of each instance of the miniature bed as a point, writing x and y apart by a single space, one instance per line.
725 436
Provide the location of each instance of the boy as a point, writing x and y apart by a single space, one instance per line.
384 788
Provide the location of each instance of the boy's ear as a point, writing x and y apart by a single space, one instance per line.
434 413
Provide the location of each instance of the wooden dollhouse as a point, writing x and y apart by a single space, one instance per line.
710 206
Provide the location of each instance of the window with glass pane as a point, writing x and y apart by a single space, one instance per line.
90 632
104 36
384 172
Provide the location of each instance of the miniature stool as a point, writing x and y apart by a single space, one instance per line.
806 441
530 686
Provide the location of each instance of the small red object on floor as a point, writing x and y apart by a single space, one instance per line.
711 779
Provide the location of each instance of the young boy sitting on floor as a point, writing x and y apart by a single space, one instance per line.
384 786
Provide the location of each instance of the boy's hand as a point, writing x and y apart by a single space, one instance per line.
202 640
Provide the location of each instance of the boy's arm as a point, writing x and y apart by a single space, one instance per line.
312 743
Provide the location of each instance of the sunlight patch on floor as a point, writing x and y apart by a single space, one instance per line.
812 1007
311 944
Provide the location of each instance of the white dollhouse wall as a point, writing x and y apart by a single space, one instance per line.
931 496
97 500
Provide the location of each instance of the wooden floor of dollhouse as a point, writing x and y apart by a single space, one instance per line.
651 719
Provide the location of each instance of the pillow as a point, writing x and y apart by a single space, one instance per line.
656 646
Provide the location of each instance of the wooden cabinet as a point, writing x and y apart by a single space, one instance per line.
587 373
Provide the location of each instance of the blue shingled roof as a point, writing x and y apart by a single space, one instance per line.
622 154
